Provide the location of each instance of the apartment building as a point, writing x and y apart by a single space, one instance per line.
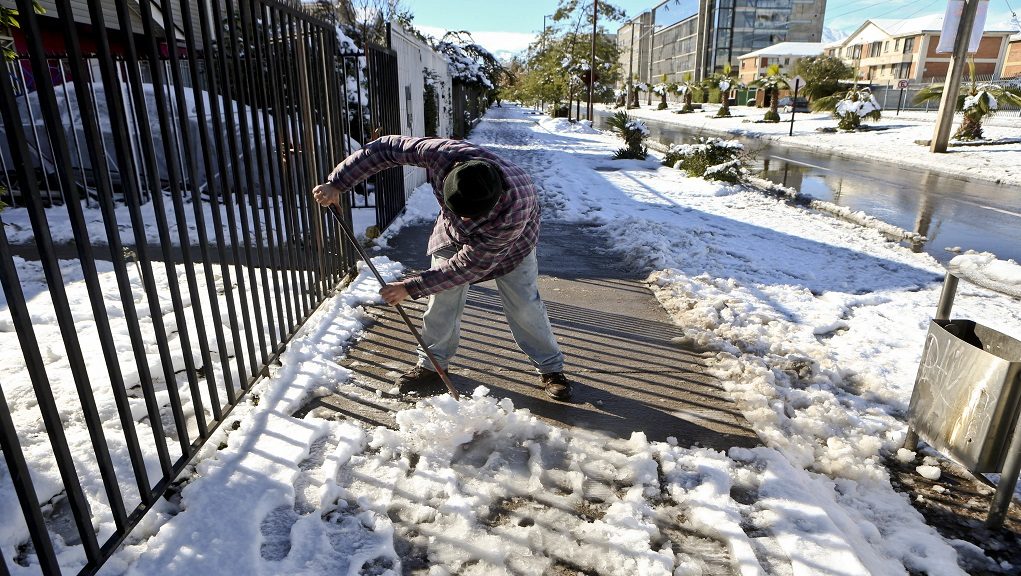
700 36
786 54
883 51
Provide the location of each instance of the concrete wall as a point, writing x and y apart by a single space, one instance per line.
413 58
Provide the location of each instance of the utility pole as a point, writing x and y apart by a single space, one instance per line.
652 41
631 68
592 60
948 103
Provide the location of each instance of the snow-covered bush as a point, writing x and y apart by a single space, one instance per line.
634 132
661 90
857 104
709 158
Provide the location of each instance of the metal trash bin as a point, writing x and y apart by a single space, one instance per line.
968 393
967 396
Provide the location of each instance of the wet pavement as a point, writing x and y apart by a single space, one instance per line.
620 345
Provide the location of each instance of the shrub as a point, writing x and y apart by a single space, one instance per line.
561 111
709 158
634 132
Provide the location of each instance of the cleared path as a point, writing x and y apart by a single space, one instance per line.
629 373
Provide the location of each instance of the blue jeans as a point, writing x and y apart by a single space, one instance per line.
524 309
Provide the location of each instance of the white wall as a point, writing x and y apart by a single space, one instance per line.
413 57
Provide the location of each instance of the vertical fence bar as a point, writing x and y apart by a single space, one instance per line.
242 192
268 180
298 230
227 80
184 144
17 467
285 237
26 333
257 197
162 224
200 222
104 187
126 156
141 242
48 104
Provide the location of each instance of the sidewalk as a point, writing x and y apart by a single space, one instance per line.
618 341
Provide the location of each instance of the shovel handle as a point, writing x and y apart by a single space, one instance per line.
400 309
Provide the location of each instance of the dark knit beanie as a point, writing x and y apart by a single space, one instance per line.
472 188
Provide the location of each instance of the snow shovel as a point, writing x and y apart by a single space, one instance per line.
361 252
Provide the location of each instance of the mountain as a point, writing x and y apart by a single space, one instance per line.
832 35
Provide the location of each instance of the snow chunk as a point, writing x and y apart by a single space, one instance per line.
930 472
904 455
983 269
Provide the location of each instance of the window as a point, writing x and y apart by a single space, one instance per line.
886 46
896 45
909 45
876 49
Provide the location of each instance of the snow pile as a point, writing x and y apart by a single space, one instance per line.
565 126
983 269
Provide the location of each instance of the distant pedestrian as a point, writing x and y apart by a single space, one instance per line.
487 230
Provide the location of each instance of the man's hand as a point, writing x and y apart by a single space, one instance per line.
326 194
394 293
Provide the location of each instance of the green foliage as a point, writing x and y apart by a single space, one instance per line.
822 75
432 109
709 158
850 108
9 19
633 132
773 81
722 83
556 68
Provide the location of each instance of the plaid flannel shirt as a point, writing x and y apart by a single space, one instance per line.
483 248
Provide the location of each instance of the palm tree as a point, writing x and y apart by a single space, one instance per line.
661 89
685 88
772 82
981 100
723 82
850 107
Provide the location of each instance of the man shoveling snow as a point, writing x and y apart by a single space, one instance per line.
487 229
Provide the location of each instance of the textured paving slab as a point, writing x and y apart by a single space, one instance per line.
629 373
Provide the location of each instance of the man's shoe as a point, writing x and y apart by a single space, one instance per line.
556 385
420 381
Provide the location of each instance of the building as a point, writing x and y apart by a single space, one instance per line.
786 54
883 51
1012 62
700 36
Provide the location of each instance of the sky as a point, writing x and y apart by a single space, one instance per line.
510 27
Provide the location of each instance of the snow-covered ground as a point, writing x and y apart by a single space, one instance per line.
893 142
816 325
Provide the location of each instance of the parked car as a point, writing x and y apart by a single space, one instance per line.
800 105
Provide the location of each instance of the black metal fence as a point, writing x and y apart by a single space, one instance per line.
192 154
469 104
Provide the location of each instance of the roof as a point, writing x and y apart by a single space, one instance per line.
930 23
789 49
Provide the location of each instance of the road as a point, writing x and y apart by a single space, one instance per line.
951 211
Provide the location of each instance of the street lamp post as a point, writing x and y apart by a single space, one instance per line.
592 59
542 103
652 41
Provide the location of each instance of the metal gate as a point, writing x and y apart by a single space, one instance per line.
202 255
